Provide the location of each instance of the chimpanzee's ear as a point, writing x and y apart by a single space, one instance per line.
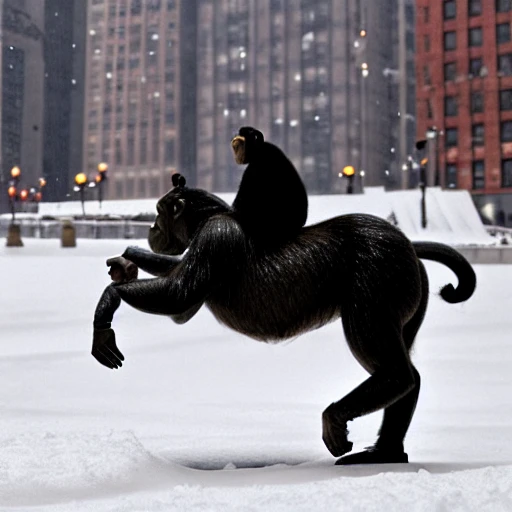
178 180
178 208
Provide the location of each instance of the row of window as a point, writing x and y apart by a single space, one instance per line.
475 36
477 102
451 135
478 174
476 68
474 7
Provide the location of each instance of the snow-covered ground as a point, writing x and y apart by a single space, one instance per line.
202 419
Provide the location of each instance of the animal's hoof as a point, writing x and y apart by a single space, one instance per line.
334 433
374 456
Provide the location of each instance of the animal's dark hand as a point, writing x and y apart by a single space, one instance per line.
122 270
105 350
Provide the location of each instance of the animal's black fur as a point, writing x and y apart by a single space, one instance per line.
271 203
357 267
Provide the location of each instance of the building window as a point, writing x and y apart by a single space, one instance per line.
426 14
506 99
450 71
451 137
477 102
450 9
450 41
475 36
430 114
478 174
451 176
506 131
426 43
450 106
475 7
426 75
506 173
478 134
503 5
503 33
505 64
475 66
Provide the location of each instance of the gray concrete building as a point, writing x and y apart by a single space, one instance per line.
320 78
22 46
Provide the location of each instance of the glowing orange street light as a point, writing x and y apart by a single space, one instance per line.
15 172
11 192
348 171
81 179
42 182
24 194
102 167
38 196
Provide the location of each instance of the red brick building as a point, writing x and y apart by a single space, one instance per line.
464 91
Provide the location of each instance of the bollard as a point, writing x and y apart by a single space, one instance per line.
68 234
14 236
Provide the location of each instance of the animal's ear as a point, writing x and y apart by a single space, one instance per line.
178 208
178 180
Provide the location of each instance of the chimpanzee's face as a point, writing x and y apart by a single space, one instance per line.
168 235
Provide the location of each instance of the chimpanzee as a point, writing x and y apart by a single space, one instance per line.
271 202
356 267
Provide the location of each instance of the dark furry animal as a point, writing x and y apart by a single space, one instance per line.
357 267
271 202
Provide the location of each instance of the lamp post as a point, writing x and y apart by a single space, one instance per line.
14 231
13 189
349 172
81 182
100 178
420 146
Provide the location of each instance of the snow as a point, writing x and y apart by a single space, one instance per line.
203 419
451 214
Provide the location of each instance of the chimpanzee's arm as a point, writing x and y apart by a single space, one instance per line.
152 263
214 253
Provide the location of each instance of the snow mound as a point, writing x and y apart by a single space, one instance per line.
58 467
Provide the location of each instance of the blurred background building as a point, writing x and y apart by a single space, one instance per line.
151 87
320 78
464 98
22 85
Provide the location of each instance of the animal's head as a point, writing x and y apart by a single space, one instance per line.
180 213
247 144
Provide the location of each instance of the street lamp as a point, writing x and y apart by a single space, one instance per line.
81 181
420 146
349 172
13 189
14 232
100 178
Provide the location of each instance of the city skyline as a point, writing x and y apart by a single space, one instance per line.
153 87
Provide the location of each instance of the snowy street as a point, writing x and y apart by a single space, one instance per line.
202 419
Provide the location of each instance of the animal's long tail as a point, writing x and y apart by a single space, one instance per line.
456 263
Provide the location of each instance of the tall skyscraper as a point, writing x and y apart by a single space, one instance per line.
22 87
316 76
464 97
140 115
64 57
170 82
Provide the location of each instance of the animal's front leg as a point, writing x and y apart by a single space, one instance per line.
160 296
155 264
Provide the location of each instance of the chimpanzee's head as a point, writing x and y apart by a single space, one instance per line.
180 213
247 144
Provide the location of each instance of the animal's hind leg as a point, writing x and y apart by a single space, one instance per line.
376 341
397 417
